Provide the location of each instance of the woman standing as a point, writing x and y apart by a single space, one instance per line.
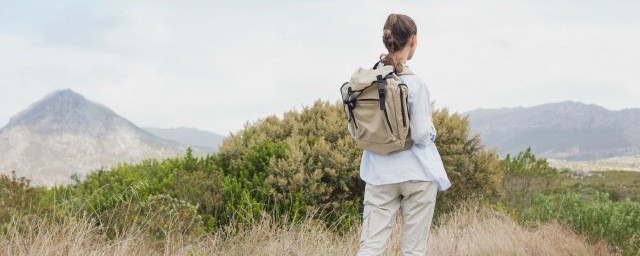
407 180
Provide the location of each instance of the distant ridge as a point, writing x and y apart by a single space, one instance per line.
64 134
189 136
563 130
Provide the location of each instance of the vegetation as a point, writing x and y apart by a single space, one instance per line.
473 171
525 175
300 173
538 193
16 198
469 230
600 219
619 185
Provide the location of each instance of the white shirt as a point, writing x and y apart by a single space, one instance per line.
422 161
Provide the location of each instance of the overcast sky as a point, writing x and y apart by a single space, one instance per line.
215 65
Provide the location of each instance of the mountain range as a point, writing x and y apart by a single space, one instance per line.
564 130
65 134
207 140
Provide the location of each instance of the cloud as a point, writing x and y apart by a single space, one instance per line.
216 65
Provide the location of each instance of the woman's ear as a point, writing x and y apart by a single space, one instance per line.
413 44
414 41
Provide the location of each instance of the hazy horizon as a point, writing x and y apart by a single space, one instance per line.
280 114
214 66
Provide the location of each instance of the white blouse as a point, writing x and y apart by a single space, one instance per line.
419 163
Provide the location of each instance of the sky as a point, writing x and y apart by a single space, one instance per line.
216 65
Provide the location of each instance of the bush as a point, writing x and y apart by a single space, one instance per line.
307 162
16 196
599 219
525 175
303 163
163 215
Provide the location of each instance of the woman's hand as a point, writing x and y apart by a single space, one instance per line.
432 133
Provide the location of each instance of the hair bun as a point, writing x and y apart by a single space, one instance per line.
387 33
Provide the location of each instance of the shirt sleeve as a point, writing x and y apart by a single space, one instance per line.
422 128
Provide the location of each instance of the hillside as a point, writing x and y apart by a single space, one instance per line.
64 133
564 130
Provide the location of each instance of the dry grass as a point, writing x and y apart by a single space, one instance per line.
469 231
481 231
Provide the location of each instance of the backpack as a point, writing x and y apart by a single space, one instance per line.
375 102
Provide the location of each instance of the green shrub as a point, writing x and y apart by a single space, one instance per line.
162 215
301 164
599 219
157 215
307 162
620 185
17 197
525 175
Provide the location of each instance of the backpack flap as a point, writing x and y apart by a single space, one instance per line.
363 78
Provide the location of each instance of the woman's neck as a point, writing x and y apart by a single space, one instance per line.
402 60
402 55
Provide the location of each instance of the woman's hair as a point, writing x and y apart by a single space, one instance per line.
396 34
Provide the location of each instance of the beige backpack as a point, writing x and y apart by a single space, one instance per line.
375 101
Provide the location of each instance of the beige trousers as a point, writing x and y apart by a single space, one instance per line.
415 199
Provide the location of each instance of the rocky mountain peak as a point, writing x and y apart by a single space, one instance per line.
66 111
64 134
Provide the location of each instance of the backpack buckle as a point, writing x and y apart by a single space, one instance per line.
346 100
351 104
381 93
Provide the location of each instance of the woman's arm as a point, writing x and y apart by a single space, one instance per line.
422 129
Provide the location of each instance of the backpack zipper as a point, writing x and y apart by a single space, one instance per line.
404 122
387 118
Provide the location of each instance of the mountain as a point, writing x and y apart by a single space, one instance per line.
65 134
189 136
564 130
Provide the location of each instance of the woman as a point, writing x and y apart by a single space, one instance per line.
407 180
